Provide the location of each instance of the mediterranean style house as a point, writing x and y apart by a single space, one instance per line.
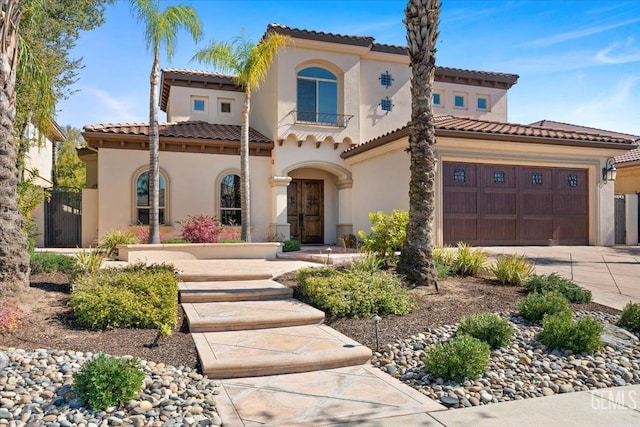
328 144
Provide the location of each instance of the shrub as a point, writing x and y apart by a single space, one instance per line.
291 246
111 239
200 229
174 241
367 262
44 262
107 381
443 270
468 261
488 328
136 296
444 255
350 293
461 358
142 232
230 234
630 317
10 316
512 269
535 306
561 331
388 233
88 261
553 282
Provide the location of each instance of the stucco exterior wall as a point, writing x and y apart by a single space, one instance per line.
39 156
381 177
192 181
38 216
180 107
497 98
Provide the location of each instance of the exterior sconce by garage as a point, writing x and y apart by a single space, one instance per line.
609 171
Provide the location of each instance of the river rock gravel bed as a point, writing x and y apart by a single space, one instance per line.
36 390
525 369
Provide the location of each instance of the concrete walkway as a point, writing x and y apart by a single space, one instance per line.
612 274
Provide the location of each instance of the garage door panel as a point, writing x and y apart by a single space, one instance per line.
461 202
498 230
507 204
536 204
535 230
461 230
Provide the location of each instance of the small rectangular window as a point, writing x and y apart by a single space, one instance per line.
498 177
386 104
437 99
386 79
225 107
483 103
198 105
459 101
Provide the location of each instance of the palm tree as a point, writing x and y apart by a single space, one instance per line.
14 258
416 261
249 62
161 27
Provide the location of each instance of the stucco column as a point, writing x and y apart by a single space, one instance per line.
607 215
345 221
631 216
279 228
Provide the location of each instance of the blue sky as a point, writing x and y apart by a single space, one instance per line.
578 61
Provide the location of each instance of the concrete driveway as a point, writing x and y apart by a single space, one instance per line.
612 274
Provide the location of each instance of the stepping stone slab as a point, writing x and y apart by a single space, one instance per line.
246 315
245 290
208 277
276 351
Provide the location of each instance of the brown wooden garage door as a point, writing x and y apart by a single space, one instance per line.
514 205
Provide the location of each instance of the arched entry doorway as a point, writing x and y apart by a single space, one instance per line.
305 210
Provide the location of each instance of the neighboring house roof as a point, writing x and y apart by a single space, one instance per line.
630 156
451 126
442 74
193 78
188 136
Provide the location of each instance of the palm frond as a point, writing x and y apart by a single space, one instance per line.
172 20
219 55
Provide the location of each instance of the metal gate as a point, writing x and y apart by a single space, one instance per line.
620 219
63 218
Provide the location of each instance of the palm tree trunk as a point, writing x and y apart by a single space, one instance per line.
416 261
154 162
14 258
245 190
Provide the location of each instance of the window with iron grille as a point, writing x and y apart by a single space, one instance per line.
386 104
498 177
458 175
386 79
573 180
536 178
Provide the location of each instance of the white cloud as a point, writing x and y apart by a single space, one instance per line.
615 54
572 35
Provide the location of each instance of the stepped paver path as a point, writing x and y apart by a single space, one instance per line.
279 364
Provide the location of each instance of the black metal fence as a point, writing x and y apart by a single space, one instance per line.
63 218
620 219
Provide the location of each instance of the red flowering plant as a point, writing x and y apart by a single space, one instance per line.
201 229
10 316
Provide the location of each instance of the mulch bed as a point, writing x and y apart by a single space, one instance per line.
50 323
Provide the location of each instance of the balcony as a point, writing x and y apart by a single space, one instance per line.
324 119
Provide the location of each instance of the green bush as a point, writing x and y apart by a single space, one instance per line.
443 270
535 306
353 293
512 269
561 331
111 239
43 262
367 263
444 255
174 241
388 233
108 381
556 283
136 296
488 328
88 261
630 317
468 261
291 245
461 358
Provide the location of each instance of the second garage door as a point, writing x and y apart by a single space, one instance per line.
514 205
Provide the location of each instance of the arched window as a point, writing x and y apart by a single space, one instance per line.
142 199
317 96
230 200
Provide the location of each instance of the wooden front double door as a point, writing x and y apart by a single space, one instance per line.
305 210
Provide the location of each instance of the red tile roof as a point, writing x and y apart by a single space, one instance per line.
195 79
187 129
630 156
447 125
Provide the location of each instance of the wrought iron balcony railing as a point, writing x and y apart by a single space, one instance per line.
326 119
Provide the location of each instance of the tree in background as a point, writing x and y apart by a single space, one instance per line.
249 62
416 260
161 29
70 171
